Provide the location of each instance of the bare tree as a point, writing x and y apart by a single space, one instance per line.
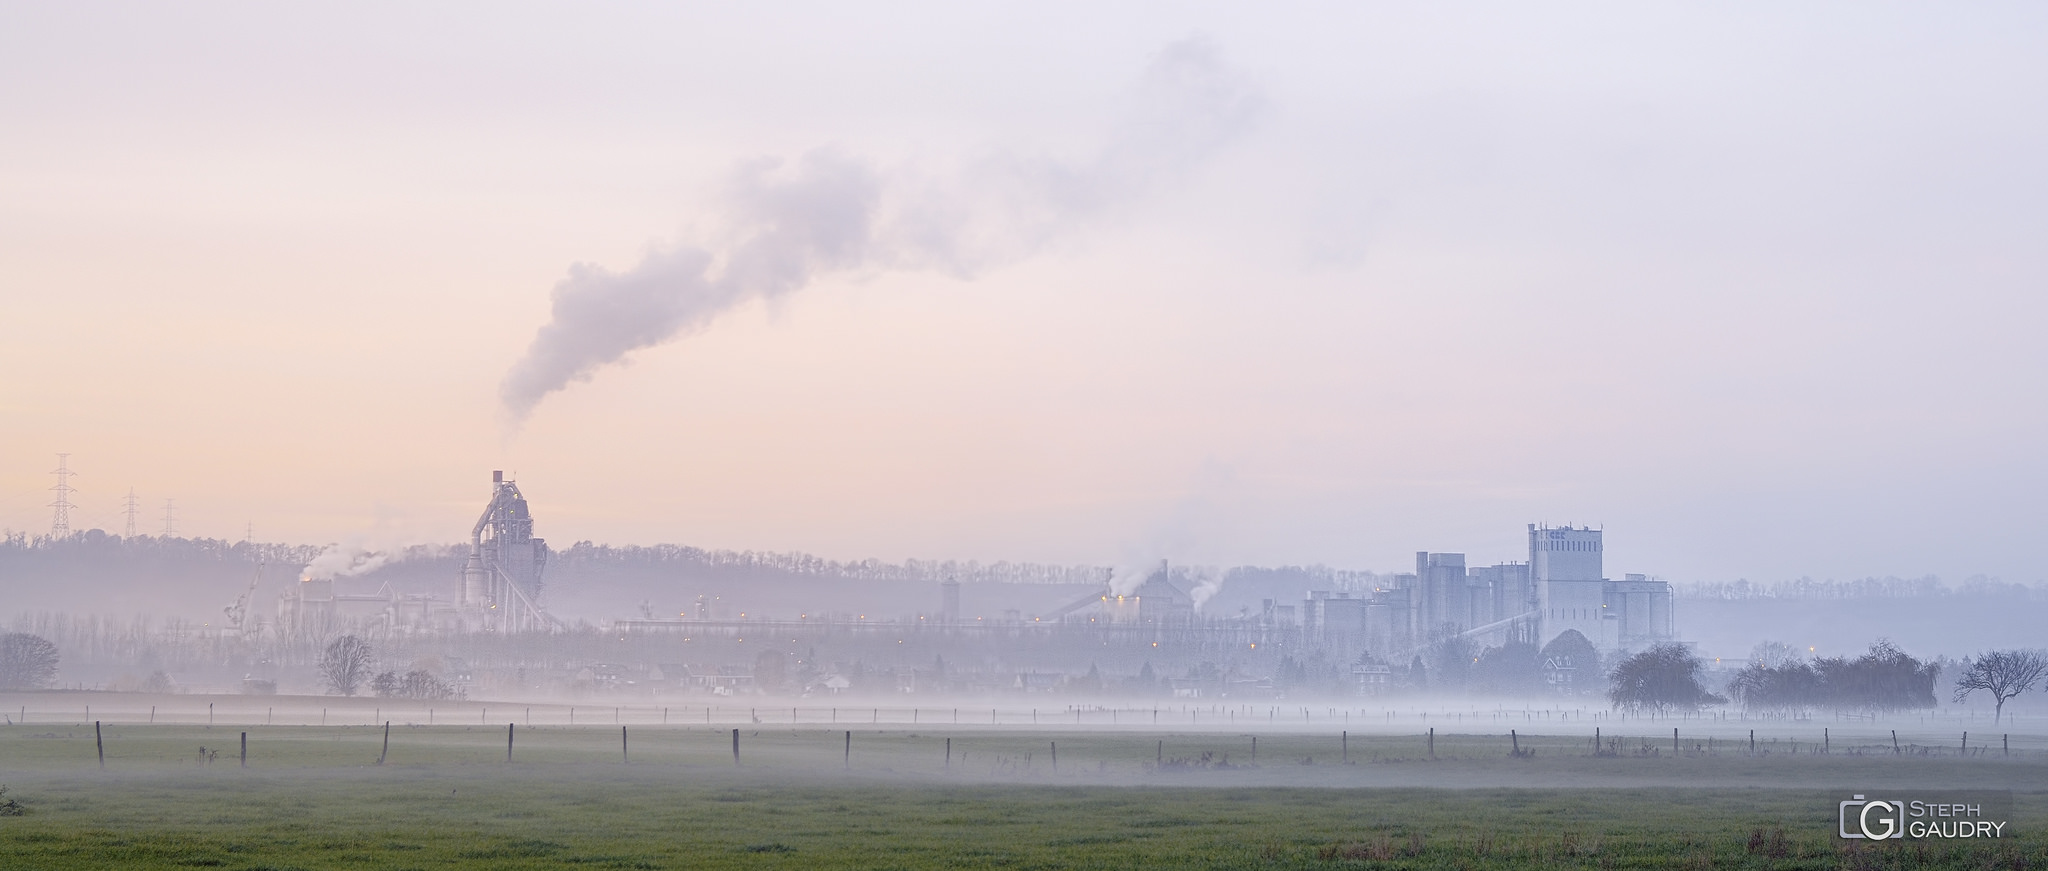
26 661
2002 673
1773 654
1661 679
346 664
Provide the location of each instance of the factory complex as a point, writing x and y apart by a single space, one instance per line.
1125 625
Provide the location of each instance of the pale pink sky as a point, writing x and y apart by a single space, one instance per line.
1758 289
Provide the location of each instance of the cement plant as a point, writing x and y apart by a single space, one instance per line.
506 616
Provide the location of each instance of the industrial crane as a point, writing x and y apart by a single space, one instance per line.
239 611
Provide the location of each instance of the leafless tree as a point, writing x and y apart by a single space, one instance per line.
2002 673
346 664
26 661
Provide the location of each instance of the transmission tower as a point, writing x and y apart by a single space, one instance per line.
60 521
132 510
170 518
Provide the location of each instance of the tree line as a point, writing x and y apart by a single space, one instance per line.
1884 679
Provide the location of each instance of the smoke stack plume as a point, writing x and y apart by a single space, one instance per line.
783 224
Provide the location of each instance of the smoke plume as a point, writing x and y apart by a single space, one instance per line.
783 224
343 560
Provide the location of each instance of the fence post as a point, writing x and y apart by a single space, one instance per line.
735 748
508 741
849 749
1515 740
1674 742
245 750
1966 744
624 757
1432 742
1159 753
1895 743
381 754
100 743
949 754
1347 746
1056 756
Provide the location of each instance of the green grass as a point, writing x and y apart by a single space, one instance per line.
313 798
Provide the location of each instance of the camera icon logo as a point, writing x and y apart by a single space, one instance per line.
1871 819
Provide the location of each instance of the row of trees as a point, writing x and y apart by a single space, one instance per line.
1883 679
347 664
1666 678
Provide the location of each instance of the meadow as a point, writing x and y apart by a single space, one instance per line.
944 796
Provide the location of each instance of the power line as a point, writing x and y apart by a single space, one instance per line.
60 521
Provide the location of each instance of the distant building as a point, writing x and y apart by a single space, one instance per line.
1572 595
1565 564
1640 612
1156 602
1560 589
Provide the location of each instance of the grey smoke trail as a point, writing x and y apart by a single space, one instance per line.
783 226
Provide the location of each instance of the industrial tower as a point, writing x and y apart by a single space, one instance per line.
501 580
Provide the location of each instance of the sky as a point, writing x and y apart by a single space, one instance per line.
1757 288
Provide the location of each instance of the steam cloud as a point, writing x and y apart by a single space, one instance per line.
782 226
1126 580
1209 582
343 560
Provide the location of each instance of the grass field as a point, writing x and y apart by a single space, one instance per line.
445 797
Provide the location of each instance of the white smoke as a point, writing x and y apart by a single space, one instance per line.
343 560
1125 580
1208 582
782 225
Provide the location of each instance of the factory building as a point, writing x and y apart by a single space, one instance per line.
501 580
1566 565
498 591
1561 588
1156 602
